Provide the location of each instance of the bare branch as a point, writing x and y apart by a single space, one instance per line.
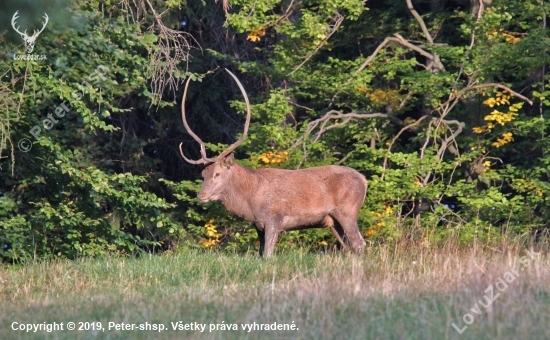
435 58
333 115
479 13
433 120
172 47
322 125
420 22
432 56
165 55
480 86
300 106
337 23
402 41
398 39
405 128
459 127
371 57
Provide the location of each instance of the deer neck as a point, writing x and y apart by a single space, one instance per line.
239 193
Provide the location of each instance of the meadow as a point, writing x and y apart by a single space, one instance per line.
403 291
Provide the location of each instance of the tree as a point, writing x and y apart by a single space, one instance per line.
443 107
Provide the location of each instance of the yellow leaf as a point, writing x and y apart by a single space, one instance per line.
490 102
256 34
409 120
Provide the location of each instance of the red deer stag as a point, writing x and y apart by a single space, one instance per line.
277 200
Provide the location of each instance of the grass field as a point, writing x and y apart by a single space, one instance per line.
401 292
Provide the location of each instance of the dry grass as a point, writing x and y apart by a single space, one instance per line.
401 292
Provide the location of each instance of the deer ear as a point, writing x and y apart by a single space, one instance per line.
229 160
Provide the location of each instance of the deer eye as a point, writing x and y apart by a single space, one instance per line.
216 174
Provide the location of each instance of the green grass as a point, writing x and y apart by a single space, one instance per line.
388 293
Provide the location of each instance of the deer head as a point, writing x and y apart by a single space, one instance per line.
29 40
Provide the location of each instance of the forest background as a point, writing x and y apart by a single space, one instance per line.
442 105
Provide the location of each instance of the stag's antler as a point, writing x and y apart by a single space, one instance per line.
204 159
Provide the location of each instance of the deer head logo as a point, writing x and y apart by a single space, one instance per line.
29 40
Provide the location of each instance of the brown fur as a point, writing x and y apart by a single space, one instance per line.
277 200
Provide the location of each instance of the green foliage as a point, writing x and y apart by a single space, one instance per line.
476 173
67 196
426 119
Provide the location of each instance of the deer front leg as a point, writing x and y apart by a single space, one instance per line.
271 234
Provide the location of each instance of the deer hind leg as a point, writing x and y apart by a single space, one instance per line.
352 236
336 229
